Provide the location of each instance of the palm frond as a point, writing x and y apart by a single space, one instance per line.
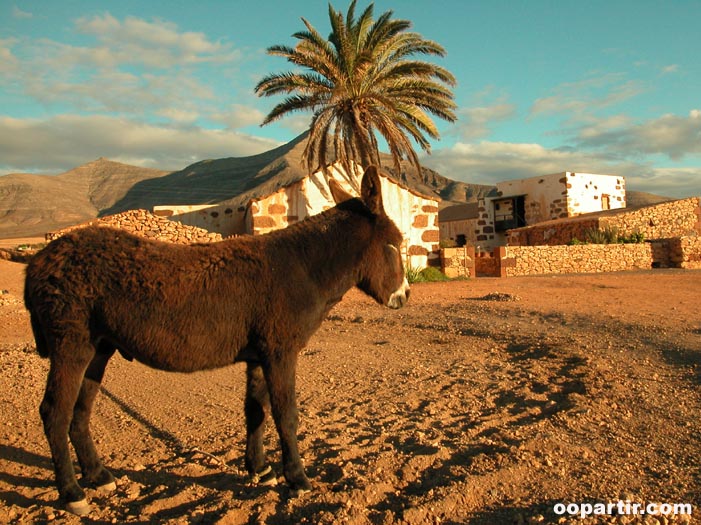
361 83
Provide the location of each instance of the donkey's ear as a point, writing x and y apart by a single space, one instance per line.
371 190
337 192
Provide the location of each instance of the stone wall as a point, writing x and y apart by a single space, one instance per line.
586 258
224 219
668 219
684 252
458 262
278 210
660 221
515 261
145 224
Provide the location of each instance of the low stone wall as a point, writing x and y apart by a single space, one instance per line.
458 262
678 218
516 261
552 233
145 224
668 219
685 252
588 258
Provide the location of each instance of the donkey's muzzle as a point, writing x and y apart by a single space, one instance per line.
400 296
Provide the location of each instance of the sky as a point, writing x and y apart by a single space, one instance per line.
610 87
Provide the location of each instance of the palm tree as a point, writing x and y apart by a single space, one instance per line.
361 81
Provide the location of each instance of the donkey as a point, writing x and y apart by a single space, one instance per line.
252 299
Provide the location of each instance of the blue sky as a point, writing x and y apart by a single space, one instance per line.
608 87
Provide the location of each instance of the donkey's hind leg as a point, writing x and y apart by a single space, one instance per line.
90 465
70 357
256 404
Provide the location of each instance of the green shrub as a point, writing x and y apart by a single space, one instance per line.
611 235
608 235
425 275
447 243
413 275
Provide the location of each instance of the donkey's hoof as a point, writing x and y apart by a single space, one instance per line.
297 493
79 508
265 478
108 487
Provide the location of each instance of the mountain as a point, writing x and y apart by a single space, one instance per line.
236 180
31 205
638 199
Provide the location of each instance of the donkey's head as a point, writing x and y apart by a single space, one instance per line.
381 273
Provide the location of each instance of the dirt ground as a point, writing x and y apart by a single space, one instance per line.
484 401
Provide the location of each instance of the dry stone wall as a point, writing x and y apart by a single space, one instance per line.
516 261
668 219
145 224
660 221
679 252
458 262
588 258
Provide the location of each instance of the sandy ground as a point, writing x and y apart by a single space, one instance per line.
458 408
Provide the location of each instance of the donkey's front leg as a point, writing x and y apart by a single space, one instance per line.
280 376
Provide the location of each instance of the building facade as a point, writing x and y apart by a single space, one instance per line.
414 214
524 202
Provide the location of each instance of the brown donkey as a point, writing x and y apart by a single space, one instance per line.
256 299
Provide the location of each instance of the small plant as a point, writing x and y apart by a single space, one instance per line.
575 242
635 238
425 275
611 235
413 275
608 235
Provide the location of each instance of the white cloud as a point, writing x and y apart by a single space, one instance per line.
155 44
672 68
491 162
476 122
8 61
134 67
63 142
676 182
672 135
19 14
239 116
577 100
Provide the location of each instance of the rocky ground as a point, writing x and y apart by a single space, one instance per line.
483 401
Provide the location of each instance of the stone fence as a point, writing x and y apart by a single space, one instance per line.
586 258
678 252
145 224
512 261
659 221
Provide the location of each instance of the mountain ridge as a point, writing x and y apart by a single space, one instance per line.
31 205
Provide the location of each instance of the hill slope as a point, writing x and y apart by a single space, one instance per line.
236 180
34 204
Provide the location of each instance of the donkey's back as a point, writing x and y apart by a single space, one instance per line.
170 306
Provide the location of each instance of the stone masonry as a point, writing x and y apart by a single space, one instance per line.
660 221
145 224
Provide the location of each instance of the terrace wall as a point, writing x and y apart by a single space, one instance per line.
678 218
